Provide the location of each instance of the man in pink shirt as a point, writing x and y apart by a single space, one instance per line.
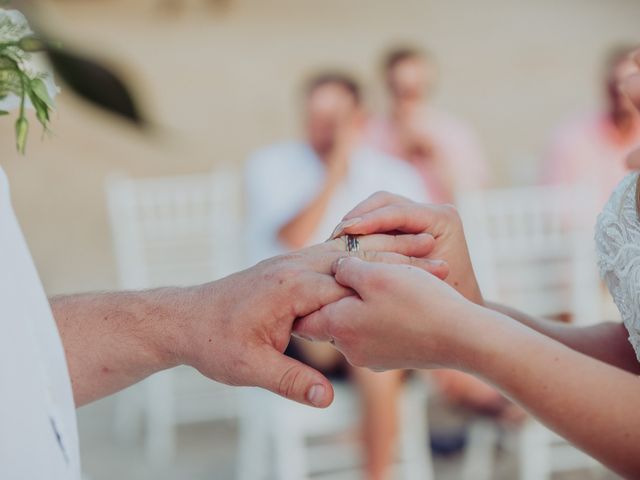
444 150
591 149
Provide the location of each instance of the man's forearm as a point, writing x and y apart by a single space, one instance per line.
112 340
297 232
606 342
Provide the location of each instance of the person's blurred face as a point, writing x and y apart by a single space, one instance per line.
411 80
328 108
618 102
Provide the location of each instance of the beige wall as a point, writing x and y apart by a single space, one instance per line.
225 83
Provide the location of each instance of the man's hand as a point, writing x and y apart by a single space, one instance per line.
385 212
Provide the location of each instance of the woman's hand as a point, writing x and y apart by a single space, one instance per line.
403 317
384 212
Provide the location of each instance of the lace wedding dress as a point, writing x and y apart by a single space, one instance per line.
618 248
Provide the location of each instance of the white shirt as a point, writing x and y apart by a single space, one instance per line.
282 179
38 433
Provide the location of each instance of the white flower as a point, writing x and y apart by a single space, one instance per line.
14 27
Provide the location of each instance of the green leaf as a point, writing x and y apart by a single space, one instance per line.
43 117
40 90
42 109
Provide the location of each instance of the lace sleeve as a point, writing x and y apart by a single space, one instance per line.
618 247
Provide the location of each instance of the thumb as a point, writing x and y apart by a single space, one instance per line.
292 379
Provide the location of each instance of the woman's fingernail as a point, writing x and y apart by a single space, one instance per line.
301 337
344 225
336 264
316 394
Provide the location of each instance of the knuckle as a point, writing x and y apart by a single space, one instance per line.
289 381
368 255
380 195
450 211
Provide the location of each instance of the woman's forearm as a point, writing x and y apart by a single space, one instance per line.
592 404
607 341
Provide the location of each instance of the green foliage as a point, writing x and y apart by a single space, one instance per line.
18 76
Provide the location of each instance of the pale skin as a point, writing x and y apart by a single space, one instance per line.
580 381
232 330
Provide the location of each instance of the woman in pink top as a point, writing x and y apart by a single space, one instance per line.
591 149
444 150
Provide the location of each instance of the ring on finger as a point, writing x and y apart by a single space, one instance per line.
352 244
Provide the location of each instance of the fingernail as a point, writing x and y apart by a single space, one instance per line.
315 395
336 264
344 225
301 337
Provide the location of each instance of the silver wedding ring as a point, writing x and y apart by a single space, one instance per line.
352 244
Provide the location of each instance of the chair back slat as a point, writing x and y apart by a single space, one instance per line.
533 248
175 230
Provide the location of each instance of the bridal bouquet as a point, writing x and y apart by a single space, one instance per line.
25 82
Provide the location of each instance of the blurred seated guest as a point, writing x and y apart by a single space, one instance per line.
449 157
591 148
297 192
444 150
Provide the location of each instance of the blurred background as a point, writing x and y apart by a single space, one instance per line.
524 86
